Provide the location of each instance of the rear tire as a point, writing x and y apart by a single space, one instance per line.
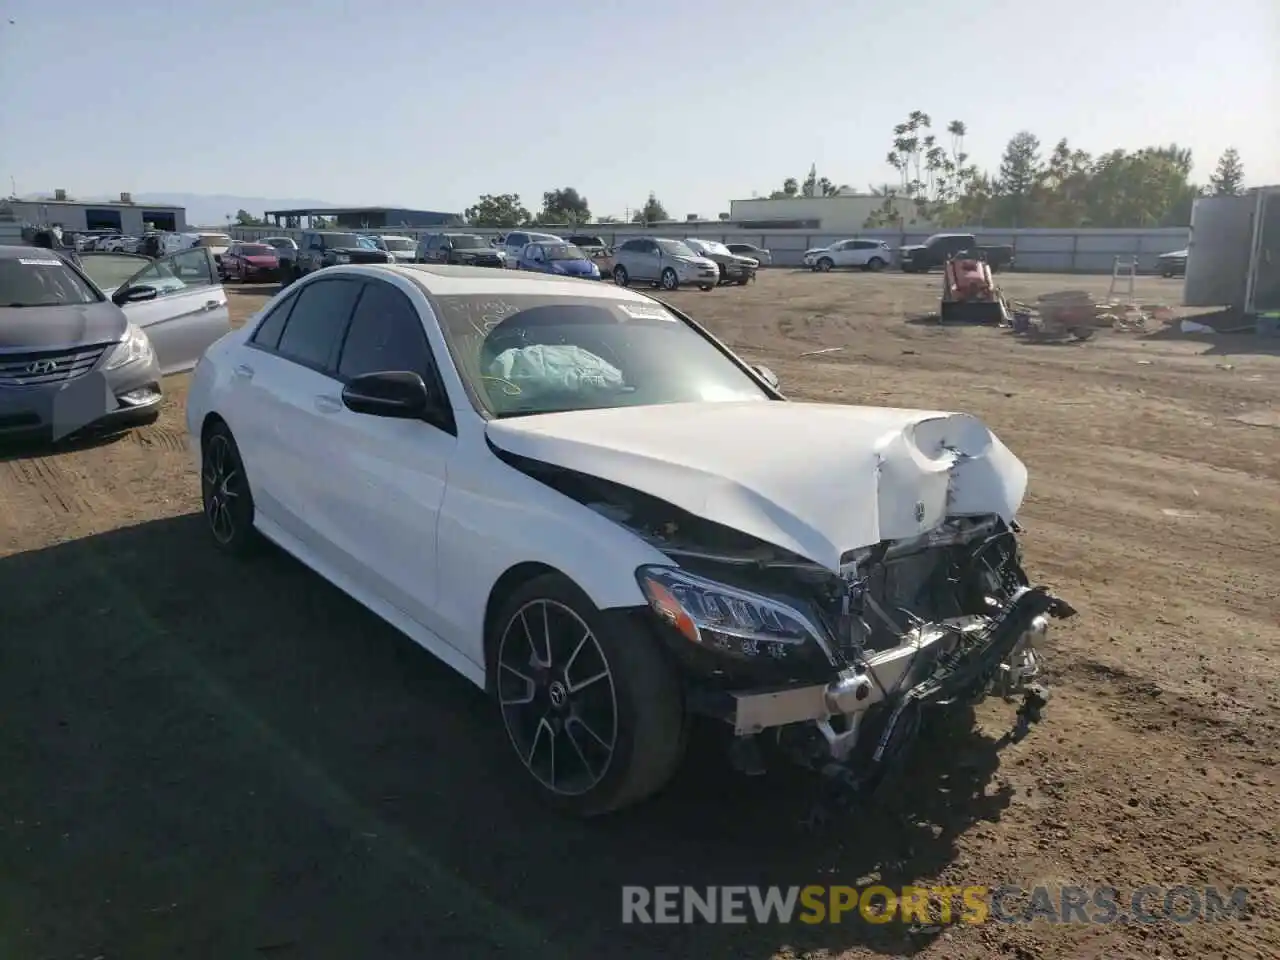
875 264
225 494
706 286
591 705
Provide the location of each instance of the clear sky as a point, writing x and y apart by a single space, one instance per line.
428 103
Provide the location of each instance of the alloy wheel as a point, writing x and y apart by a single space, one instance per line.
669 279
557 697
221 480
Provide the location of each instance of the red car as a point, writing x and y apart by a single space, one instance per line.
251 263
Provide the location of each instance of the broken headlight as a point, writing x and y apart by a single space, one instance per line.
725 618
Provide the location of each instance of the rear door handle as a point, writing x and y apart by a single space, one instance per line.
328 404
244 371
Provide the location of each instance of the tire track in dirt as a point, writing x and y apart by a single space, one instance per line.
162 438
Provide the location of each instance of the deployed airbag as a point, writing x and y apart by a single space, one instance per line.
554 368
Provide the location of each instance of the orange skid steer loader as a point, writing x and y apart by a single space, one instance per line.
969 295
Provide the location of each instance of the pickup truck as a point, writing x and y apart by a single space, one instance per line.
934 252
325 248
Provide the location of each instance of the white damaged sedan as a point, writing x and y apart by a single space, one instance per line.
588 506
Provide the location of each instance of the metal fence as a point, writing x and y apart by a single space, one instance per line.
1036 251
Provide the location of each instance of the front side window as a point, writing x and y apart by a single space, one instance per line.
533 354
42 280
317 321
385 335
177 273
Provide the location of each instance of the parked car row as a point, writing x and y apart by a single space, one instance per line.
876 255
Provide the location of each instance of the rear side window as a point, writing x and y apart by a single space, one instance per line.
385 334
269 330
316 324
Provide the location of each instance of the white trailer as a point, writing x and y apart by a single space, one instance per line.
1233 257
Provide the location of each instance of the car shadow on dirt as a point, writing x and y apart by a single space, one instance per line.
1232 335
233 757
25 450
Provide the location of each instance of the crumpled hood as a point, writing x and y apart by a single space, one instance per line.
816 479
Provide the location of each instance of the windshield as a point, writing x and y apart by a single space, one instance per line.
529 354
42 280
111 270
468 243
368 243
711 246
674 248
214 240
563 251
399 243
257 250
347 240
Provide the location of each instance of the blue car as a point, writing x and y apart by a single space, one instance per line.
563 259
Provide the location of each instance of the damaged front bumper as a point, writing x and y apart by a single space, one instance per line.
962 660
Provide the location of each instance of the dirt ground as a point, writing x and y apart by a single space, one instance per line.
202 759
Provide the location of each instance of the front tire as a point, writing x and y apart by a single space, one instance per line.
591 705
224 488
669 280
825 264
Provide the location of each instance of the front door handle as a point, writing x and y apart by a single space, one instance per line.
212 304
328 404
244 371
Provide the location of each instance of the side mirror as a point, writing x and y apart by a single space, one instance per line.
138 294
767 375
396 394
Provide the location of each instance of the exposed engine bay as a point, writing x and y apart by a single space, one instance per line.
947 616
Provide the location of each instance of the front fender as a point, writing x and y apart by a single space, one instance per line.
494 518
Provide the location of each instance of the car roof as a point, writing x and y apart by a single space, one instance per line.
13 252
441 280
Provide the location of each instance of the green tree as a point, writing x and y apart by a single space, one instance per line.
1017 184
608 218
1064 187
790 188
929 175
652 212
1146 188
1228 177
245 219
497 210
565 205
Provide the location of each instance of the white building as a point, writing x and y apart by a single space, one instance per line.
124 215
842 213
